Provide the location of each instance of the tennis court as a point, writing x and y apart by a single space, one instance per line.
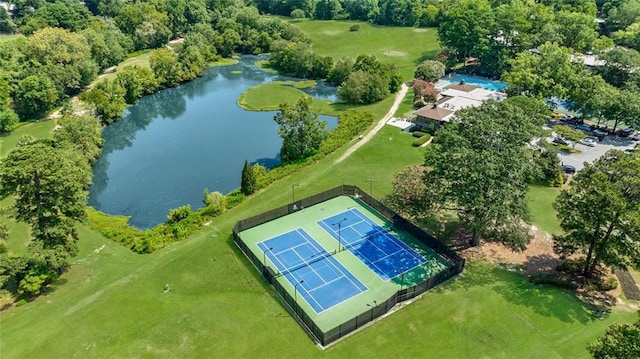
321 280
374 245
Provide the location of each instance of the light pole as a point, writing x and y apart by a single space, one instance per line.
295 294
293 191
339 223
375 304
264 258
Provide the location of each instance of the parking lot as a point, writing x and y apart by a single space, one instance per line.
590 154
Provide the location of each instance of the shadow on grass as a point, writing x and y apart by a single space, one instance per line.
542 300
425 55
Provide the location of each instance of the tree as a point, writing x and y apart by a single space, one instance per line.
548 73
166 67
81 133
49 186
569 133
621 341
600 213
248 183
466 27
63 56
409 190
301 130
479 168
624 108
137 81
620 65
327 9
424 91
341 70
429 70
8 119
107 99
36 95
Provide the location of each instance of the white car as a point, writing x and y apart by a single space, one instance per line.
589 141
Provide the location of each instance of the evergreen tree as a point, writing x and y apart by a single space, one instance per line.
248 184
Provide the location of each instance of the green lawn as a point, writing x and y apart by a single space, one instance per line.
540 200
42 129
406 106
110 303
268 97
405 47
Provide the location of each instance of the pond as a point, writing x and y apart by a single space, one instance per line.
171 145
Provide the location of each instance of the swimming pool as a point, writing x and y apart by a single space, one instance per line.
472 80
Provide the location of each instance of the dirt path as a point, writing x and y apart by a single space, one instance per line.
399 96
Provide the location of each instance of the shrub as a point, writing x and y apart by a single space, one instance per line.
216 202
422 140
178 214
610 284
418 134
553 278
298 14
234 198
429 70
354 27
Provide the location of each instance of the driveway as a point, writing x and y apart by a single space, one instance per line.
590 154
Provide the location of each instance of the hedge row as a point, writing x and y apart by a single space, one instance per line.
422 140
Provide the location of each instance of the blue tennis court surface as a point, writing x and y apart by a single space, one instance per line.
316 276
380 250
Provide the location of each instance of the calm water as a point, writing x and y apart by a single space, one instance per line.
474 80
172 145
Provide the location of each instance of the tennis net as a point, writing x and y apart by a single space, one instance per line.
315 258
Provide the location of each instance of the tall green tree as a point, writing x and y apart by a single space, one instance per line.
466 27
547 73
80 133
248 183
49 185
301 130
621 341
479 168
36 95
600 213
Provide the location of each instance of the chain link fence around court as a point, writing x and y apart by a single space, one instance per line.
378 309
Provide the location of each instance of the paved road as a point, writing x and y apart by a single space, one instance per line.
590 154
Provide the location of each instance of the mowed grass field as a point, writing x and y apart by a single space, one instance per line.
405 47
111 302
540 200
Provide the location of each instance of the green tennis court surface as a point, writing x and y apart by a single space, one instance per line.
329 274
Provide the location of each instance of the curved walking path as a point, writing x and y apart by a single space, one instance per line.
399 96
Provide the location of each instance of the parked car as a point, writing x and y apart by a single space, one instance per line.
636 137
631 149
584 128
599 134
560 141
589 141
626 132
569 169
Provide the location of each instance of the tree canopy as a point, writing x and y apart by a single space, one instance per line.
600 213
301 130
621 341
479 168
